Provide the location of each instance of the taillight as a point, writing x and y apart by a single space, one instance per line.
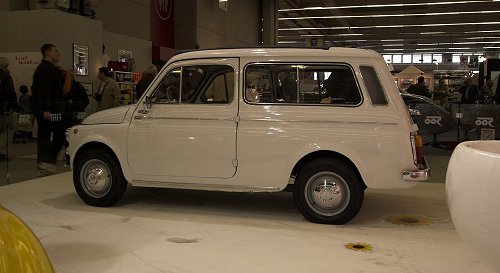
417 148
419 145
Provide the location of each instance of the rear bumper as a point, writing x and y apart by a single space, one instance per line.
422 174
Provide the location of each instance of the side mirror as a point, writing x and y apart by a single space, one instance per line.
148 102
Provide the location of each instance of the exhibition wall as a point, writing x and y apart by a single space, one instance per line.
129 18
26 31
237 26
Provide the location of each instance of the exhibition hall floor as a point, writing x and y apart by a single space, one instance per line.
161 230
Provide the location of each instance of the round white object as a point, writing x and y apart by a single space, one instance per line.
473 194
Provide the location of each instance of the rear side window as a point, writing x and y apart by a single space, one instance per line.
301 84
372 83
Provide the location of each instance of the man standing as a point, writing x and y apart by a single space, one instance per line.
108 93
8 100
147 77
419 88
48 108
469 92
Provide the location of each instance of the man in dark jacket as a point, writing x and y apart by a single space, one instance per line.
8 101
469 91
419 88
48 108
147 77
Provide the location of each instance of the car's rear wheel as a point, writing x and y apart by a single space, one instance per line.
98 178
328 191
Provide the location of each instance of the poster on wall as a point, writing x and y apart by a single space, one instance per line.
124 55
81 59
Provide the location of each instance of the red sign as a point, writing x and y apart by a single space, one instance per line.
161 18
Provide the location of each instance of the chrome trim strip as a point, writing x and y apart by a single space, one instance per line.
325 121
232 119
422 174
205 187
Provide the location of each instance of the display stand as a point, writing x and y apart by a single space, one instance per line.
127 82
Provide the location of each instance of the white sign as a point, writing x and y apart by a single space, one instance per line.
484 121
23 59
433 120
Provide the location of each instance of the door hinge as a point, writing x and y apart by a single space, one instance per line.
235 162
236 119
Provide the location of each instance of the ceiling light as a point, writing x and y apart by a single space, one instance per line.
393 45
392 40
481 38
329 35
389 15
483 31
390 26
387 5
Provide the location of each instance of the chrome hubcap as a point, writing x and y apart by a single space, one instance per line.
95 178
327 193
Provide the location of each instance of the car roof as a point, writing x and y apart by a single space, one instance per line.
276 51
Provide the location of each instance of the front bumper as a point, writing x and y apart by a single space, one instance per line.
422 174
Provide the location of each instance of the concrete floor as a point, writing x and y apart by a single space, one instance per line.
162 230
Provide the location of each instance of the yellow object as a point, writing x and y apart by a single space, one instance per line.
20 249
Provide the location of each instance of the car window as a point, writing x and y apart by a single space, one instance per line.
202 84
168 91
372 83
220 89
301 84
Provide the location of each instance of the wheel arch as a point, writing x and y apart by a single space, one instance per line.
325 154
97 145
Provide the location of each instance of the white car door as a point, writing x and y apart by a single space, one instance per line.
190 129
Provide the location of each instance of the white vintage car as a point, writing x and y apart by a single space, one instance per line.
325 123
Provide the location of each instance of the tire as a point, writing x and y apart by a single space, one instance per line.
98 178
339 191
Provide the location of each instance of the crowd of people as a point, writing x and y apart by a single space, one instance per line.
54 102
470 93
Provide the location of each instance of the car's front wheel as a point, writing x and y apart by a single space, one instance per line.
98 178
328 191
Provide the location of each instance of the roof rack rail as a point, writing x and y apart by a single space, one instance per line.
248 47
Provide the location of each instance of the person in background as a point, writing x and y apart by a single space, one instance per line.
47 103
419 88
24 100
108 92
469 91
486 90
8 102
25 128
288 87
147 77
75 97
441 93
497 94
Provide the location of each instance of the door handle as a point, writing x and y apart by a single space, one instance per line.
140 116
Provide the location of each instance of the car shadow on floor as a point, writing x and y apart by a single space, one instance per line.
258 209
